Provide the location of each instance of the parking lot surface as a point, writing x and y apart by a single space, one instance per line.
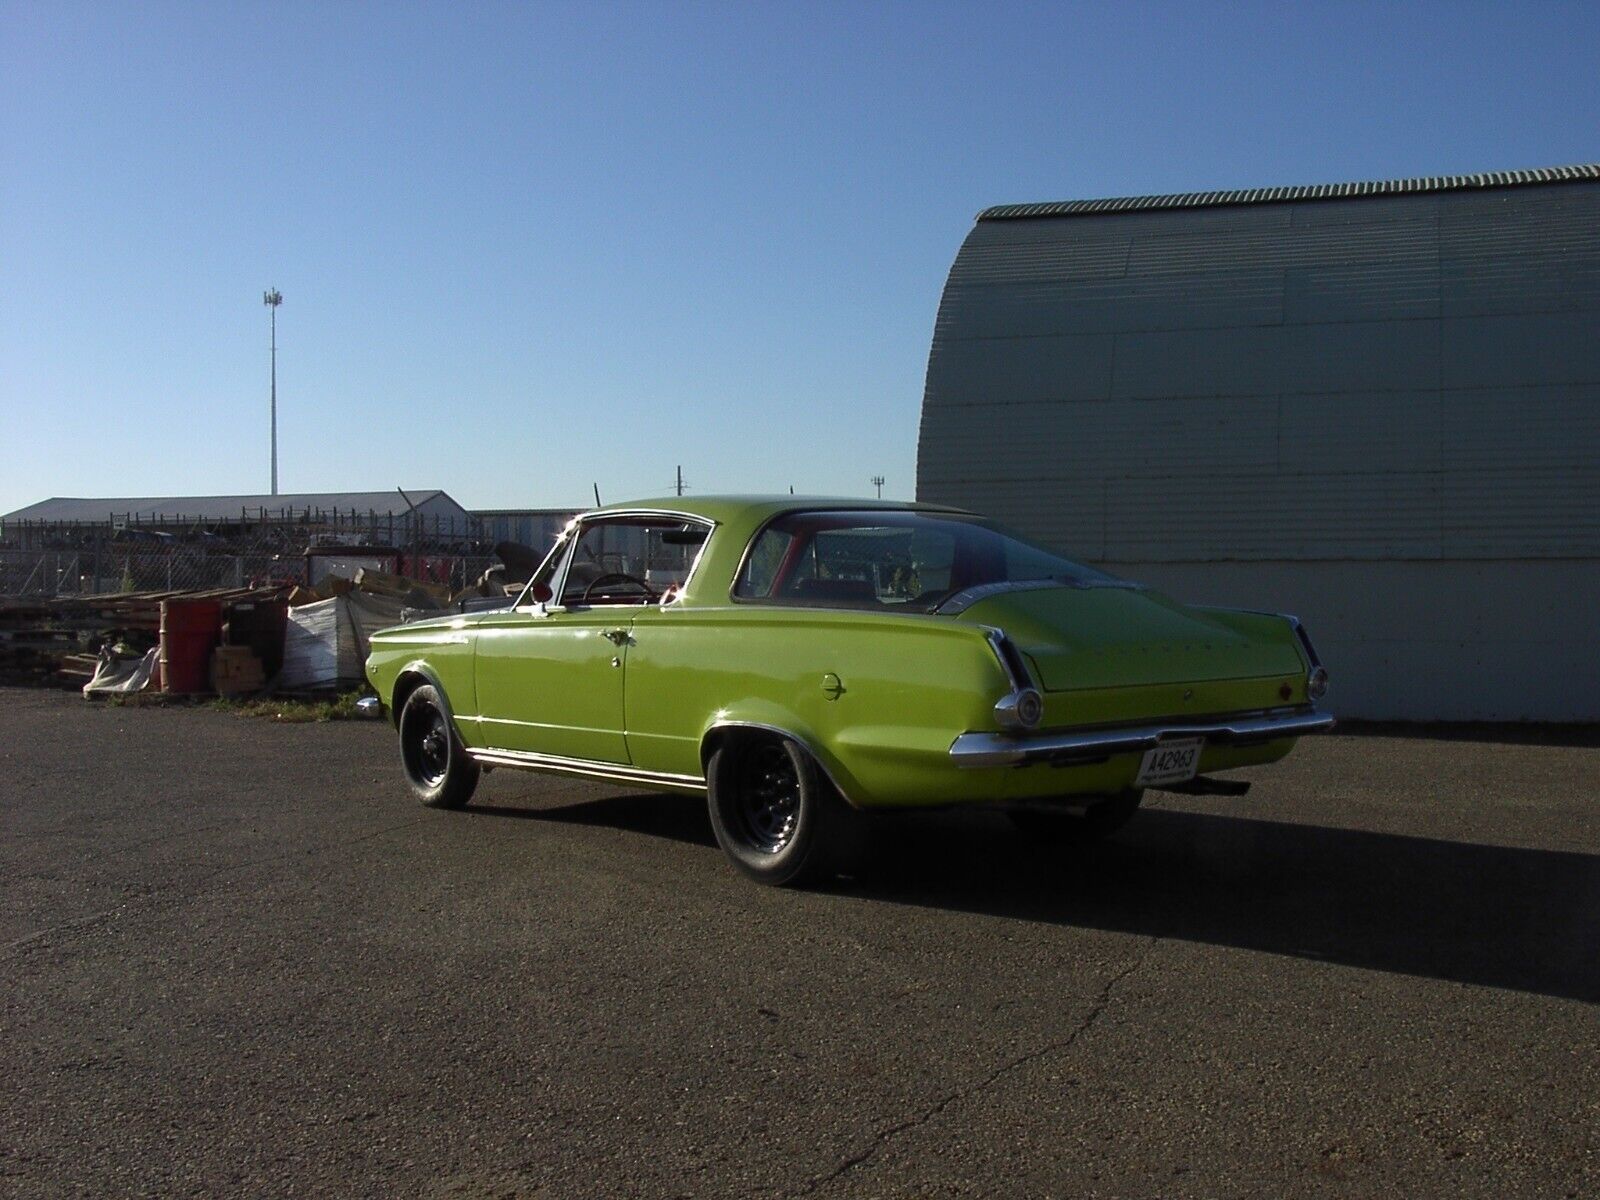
240 960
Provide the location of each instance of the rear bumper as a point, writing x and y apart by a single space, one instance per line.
1086 745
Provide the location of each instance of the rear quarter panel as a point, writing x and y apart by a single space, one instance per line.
910 686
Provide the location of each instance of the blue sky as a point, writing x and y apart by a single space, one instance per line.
526 247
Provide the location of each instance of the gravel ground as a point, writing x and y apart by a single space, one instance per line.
239 960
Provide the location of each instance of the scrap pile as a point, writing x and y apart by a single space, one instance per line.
230 641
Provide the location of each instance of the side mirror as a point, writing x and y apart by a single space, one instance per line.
540 593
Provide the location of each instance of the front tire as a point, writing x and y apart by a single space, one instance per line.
436 764
1072 828
776 816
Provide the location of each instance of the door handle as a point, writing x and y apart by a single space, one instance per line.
616 637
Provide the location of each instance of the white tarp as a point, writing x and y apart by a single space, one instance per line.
122 676
325 644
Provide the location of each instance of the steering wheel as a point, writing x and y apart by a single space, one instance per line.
610 576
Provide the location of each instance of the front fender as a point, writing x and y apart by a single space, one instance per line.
419 667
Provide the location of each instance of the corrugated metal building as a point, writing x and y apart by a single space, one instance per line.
1376 405
428 503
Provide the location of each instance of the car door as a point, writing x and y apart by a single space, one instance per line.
549 676
550 681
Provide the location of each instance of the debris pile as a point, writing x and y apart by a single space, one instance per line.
281 637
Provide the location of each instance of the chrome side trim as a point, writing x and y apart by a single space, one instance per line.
614 772
1305 640
1004 750
1016 669
1024 695
581 524
560 547
967 597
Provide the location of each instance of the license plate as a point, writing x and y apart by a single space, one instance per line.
1170 762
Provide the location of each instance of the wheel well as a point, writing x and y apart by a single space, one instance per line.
717 737
727 733
408 682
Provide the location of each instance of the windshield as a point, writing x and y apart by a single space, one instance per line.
913 561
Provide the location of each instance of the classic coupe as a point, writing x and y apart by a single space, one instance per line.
802 662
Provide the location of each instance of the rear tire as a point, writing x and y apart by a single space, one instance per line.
776 815
436 764
1067 827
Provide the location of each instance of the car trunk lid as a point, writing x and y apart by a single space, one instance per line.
1117 635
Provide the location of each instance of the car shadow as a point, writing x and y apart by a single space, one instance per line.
1492 915
1496 916
678 818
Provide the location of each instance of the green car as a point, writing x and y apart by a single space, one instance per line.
802 662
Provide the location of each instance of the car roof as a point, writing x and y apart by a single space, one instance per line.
730 509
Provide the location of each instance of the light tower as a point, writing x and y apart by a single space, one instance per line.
272 297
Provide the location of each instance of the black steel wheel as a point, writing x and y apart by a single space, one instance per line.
1078 827
436 765
776 816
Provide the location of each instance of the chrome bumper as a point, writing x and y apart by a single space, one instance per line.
1069 746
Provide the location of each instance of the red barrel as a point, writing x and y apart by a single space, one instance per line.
190 630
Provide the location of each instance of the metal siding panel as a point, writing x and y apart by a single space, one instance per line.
1211 362
1348 357
1518 350
1405 436
1020 370
1097 439
1539 429
1399 288
1359 433
1246 297
1453 641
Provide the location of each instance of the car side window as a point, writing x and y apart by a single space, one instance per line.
631 560
856 565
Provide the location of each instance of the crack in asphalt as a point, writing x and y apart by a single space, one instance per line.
884 1136
84 924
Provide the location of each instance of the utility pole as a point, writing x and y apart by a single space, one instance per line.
877 482
680 480
272 297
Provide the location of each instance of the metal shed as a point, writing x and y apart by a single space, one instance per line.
430 504
1376 405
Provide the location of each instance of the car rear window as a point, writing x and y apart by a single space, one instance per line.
890 559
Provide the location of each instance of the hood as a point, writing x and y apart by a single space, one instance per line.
1119 636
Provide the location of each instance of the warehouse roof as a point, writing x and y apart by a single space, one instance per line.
224 508
1320 191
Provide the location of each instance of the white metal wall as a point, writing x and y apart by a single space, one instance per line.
1380 412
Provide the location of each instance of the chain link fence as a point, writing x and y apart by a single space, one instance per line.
47 573
44 560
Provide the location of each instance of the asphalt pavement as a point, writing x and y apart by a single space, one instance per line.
239 960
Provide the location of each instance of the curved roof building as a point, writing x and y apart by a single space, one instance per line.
1375 404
